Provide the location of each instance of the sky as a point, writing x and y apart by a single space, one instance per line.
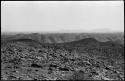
62 16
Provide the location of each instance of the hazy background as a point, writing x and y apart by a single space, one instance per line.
62 16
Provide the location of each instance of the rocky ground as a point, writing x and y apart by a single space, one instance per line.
87 59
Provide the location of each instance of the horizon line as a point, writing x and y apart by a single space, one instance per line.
45 32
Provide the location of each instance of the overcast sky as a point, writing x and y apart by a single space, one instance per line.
62 16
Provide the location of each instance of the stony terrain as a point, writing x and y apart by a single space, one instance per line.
85 59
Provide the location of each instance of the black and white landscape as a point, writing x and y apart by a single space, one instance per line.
65 40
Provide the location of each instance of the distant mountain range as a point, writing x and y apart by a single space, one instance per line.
66 37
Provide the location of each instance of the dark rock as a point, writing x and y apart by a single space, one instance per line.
36 66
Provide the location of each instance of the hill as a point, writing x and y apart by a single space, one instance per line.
66 37
85 59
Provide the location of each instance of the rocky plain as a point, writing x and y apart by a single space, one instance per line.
62 56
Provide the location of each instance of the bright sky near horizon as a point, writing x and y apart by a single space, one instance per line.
62 16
